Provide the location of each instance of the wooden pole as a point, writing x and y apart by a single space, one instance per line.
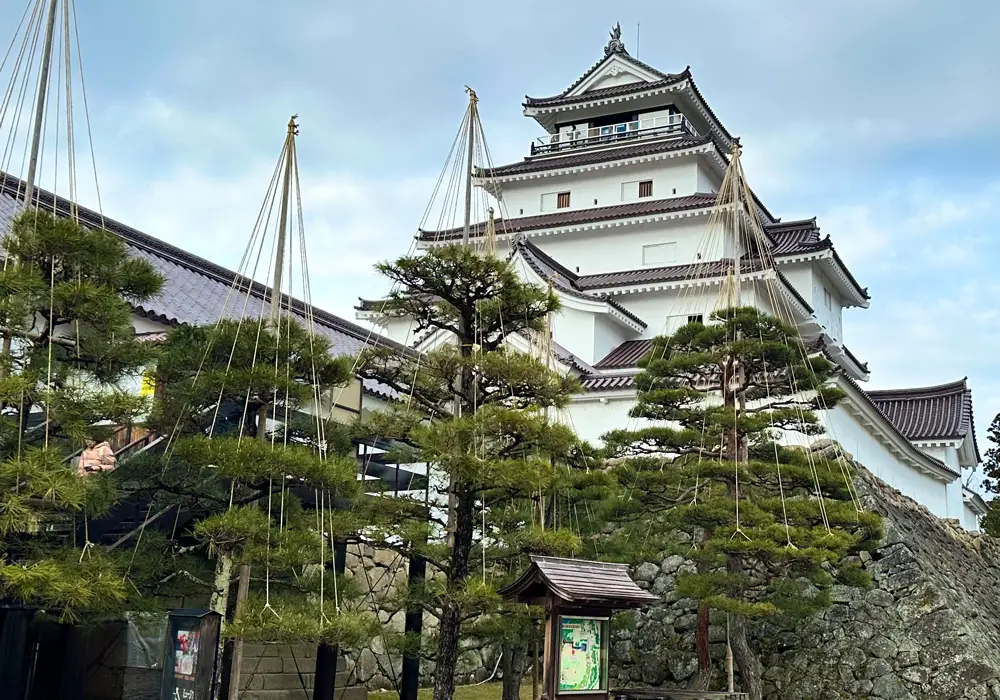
534 670
43 85
279 254
473 103
36 137
234 670
466 233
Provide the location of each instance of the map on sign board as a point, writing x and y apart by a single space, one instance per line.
580 655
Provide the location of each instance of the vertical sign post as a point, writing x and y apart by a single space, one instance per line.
190 655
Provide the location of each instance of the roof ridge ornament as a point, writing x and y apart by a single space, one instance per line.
615 43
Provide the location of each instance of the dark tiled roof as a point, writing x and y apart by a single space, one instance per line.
793 237
626 355
865 396
854 359
610 51
665 80
802 237
565 281
602 93
578 285
571 360
623 53
579 581
195 290
574 217
942 412
607 382
606 155
669 273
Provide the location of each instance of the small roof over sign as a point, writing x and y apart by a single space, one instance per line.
578 582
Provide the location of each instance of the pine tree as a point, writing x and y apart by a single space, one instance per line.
65 296
771 526
991 470
476 411
263 478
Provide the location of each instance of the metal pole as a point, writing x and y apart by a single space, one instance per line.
43 84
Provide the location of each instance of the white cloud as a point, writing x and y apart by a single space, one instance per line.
350 222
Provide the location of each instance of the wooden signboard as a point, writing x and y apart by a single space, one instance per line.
579 598
190 655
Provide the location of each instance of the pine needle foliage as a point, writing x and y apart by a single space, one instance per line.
991 482
257 479
477 412
716 398
66 298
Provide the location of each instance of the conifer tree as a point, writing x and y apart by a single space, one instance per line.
260 484
771 525
476 412
65 295
991 470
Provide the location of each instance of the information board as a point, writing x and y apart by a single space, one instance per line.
186 662
190 655
581 655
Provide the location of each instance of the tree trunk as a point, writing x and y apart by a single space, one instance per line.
746 660
514 654
223 579
703 678
450 624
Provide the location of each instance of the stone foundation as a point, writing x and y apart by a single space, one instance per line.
287 672
385 575
928 629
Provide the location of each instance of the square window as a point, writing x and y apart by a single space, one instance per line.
646 188
562 200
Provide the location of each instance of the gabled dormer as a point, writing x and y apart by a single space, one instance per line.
622 98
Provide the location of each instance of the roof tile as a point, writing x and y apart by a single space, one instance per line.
942 412
592 157
603 93
582 582
607 382
195 290
626 355
573 217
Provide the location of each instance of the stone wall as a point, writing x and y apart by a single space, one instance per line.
384 575
287 672
928 629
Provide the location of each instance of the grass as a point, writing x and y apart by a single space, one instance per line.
486 691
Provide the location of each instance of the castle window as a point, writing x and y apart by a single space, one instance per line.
696 318
827 299
646 189
659 254
555 200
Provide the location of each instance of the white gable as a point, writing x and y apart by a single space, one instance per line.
614 70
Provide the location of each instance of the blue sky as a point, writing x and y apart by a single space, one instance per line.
881 118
